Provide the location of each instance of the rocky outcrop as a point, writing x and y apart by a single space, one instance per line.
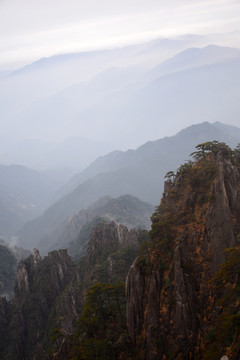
171 302
39 283
50 292
223 215
126 210
50 232
108 244
109 235
102 273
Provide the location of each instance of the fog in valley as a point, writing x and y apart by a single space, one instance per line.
119 179
97 114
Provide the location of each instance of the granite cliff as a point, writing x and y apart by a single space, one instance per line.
183 289
39 282
182 283
51 291
173 307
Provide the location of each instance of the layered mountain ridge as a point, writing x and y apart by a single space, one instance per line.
137 172
125 209
71 99
182 290
24 194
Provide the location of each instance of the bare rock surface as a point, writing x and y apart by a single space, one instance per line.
170 300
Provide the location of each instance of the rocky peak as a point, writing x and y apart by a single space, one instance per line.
22 283
109 237
39 282
171 302
223 214
126 237
110 243
36 256
51 290
58 262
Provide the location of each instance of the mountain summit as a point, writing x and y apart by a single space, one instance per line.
174 309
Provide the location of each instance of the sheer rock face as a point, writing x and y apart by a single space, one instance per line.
170 302
107 239
50 291
53 269
39 283
25 272
108 235
97 265
223 215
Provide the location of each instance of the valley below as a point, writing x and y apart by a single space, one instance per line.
129 293
120 204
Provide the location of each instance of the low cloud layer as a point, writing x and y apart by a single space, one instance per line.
30 31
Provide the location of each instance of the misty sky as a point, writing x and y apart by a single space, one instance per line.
31 30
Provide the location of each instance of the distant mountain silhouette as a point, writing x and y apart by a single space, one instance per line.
194 57
126 209
74 154
173 100
24 194
111 94
137 172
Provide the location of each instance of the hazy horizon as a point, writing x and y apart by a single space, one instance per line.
30 31
120 73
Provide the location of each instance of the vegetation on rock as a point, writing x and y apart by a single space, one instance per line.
182 286
224 336
198 218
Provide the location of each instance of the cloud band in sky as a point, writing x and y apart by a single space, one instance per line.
29 32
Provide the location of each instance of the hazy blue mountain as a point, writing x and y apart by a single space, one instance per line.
127 210
38 86
24 194
137 172
54 74
72 154
233 131
58 112
113 83
179 98
114 103
4 74
150 48
194 57
174 148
